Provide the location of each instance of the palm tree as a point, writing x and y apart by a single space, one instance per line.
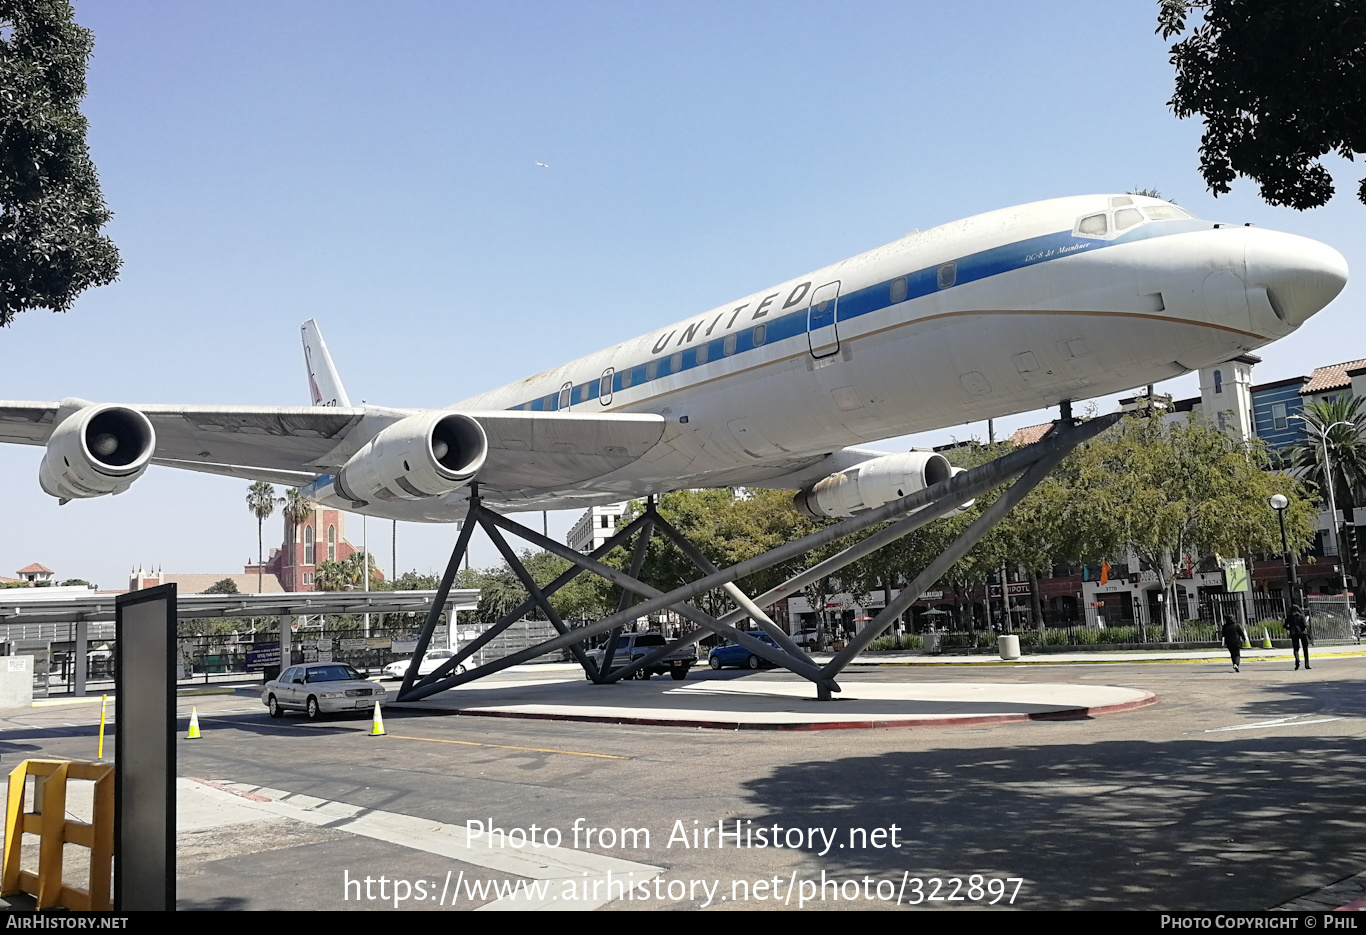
332 575
1340 426
297 508
344 574
261 501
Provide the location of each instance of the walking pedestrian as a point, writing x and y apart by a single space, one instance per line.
1298 627
1233 640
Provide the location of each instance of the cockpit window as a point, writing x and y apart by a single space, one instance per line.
1126 218
1094 225
1121 201
1164 213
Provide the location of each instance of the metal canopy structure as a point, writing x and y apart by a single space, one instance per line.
1029 465
36 608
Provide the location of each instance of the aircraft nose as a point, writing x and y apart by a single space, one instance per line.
1300 275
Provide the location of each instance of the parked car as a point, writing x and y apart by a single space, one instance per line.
737 656
807 638
319 688
430 663
631 646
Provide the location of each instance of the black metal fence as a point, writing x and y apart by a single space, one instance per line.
216 656
1331 619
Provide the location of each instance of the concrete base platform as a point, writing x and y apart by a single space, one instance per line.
784 704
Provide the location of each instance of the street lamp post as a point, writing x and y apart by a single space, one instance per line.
1278 503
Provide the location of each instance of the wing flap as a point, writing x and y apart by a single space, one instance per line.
553 449
27 423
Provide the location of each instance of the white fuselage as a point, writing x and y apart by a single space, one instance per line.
1001 313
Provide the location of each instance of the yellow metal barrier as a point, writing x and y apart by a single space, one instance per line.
54 830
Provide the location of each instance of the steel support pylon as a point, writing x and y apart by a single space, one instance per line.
1030 465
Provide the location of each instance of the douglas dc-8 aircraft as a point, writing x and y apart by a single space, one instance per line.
1000 313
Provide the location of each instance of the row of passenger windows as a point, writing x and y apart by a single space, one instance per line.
660 367
946 276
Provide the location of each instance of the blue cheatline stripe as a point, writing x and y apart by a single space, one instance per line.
920 283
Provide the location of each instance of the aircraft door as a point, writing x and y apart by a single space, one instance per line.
605 387
822 326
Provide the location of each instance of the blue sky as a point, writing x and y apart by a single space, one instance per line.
373 166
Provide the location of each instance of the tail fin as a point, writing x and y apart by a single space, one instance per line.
324 385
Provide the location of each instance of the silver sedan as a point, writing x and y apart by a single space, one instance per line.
319 688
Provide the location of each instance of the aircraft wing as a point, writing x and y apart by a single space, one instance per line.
293 444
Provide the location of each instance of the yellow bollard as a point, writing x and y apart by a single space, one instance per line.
194 725
104 705
377 727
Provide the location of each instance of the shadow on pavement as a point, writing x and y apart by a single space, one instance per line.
1239 824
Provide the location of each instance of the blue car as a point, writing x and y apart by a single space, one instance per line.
733 654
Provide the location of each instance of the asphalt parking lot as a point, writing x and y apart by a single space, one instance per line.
1234 791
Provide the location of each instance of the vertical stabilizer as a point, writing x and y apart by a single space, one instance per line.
324 386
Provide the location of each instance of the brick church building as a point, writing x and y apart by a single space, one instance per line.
321 537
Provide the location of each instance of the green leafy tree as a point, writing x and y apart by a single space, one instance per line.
261 502
222 586
78 583
1279 85
412 581
51 209
1162 491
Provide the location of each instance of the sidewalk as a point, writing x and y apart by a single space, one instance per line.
1098 657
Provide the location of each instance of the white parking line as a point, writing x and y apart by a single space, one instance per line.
556 864
1292 721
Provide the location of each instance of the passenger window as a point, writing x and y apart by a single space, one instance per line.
760 335
626 379
899 290
676 362
652 370
948 275
1093 225
728 345
1127 218
702 353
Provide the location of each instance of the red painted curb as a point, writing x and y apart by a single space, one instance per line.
1065 714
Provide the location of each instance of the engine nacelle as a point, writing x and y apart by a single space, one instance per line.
97 450
872 483
968 505
422 456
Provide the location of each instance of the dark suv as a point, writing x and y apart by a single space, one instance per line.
631 646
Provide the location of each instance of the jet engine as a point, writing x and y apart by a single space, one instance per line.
97 450
871 484
422 456
969 504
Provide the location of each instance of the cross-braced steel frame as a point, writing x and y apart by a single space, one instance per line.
1028 465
